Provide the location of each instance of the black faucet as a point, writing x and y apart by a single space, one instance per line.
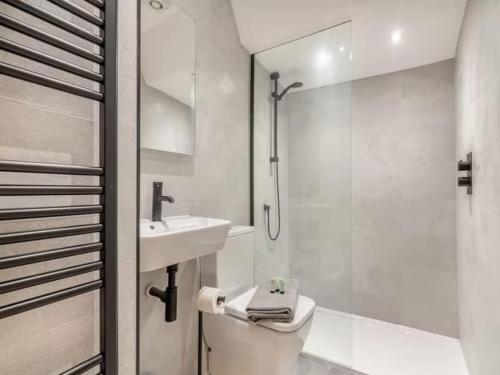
158 199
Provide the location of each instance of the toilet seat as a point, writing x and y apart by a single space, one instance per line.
305 309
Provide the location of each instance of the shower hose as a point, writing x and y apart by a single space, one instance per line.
268 208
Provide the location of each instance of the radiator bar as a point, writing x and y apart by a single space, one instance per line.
34 167
40 79
97 3
17 190
33 32
55 20
30 213
41 57
46 299
47 277
84 366
43 234
42 256
80 12
109 134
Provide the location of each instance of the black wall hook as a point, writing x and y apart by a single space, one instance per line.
466 165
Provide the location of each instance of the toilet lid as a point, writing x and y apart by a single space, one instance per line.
305 308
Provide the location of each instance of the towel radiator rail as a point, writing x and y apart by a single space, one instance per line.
30 213
60 22
104 19
28 30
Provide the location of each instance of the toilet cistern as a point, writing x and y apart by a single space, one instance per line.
158 199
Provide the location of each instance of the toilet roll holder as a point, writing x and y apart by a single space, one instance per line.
221 300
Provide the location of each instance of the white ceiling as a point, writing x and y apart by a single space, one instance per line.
168 50
430 30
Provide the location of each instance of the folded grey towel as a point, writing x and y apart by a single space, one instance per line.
276 307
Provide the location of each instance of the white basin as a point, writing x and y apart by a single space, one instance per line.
178 239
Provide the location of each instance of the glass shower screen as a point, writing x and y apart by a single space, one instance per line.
302 181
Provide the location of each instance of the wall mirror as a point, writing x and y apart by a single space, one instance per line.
168 76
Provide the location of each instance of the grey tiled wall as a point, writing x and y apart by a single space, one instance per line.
478 216
127 182
404 260
402 265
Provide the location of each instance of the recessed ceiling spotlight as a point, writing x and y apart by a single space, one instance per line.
396 36
341 48
156 4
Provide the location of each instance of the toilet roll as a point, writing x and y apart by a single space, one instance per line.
210 300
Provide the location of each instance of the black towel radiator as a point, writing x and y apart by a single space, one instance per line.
103 17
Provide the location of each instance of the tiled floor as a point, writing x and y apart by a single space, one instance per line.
375 347
313 366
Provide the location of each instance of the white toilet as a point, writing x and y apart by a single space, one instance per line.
240 347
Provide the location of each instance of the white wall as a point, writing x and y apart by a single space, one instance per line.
214 182
478 215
